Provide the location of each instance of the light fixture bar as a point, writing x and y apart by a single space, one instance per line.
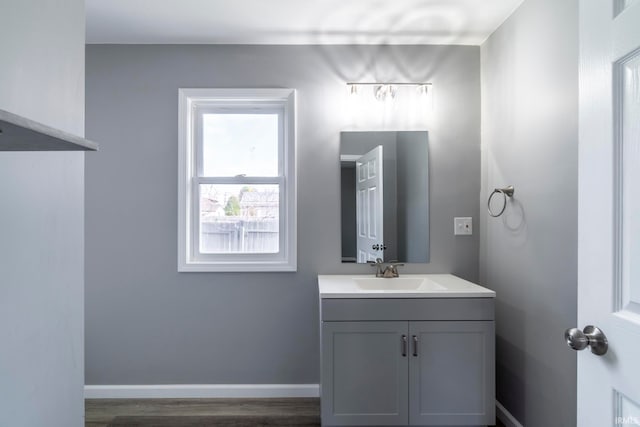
387 84
384 91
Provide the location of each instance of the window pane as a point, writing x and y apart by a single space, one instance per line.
239 218
240 144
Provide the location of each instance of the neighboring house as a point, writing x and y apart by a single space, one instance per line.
210 208
261 204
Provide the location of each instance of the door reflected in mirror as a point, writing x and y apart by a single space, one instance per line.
384 196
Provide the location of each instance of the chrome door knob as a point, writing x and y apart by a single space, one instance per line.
590 336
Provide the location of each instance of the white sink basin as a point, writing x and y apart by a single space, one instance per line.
396 284
405 286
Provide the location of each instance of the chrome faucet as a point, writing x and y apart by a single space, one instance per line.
389 271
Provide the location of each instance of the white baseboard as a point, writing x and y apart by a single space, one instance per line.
170 391
505 416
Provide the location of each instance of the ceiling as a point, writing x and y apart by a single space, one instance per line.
467 22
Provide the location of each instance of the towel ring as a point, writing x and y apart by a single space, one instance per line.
506 192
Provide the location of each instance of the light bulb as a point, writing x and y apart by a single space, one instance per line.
384 92
423 89
391 89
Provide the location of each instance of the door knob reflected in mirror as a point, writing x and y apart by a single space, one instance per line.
590 336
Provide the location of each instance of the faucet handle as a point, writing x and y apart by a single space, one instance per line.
393 268
378 265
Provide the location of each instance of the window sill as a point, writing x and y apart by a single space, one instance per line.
236 267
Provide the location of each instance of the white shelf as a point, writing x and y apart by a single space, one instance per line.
18 133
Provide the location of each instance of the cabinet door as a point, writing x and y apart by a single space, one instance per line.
451 373
364 373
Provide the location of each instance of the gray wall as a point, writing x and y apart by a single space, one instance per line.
148 324
529 256
413 181
41 199
348 211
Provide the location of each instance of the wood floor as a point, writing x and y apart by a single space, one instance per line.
293 412
202 412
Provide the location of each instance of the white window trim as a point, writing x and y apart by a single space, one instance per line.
190 100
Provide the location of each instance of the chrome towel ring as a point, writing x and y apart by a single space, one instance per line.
506 192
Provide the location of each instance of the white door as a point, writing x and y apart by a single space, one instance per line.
369 214
609 211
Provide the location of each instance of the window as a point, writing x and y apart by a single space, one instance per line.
237 187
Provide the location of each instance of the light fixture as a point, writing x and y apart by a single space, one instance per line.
385 91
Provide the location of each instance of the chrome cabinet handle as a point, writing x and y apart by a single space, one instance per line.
404 345
415 345
590 336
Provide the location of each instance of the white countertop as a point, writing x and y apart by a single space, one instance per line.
405 286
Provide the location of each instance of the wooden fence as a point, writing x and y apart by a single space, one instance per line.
239 235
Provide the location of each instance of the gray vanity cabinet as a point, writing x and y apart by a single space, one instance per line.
451 373
425 362
364 371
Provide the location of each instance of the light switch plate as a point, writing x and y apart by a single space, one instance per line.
463 226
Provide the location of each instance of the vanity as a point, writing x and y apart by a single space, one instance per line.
413 350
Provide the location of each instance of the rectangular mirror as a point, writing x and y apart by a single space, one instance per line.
384 196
